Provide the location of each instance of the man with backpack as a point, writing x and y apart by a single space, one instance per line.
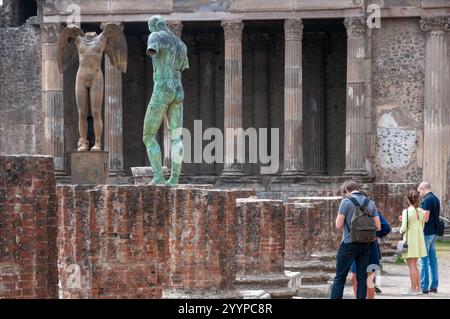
358 217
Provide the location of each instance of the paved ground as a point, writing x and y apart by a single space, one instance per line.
395 279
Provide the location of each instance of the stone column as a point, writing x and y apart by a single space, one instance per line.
177 28
436 151
293 126
315 127
356 90
207 63
261 88
52 96
233 92
113 134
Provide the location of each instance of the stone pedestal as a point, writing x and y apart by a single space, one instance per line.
89 167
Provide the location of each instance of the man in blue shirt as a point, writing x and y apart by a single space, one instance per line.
431 205
348 251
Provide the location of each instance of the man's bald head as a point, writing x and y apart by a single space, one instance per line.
424 188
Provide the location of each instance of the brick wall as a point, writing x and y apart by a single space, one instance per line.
112 241
261 237
28 228
310 226
202 246
310 221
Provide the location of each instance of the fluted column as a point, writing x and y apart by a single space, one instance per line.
207 65
52 96
261 88
315 125
113 117
177 28
233 91
436 119
293 126
356 90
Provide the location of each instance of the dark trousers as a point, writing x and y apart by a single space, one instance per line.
358 252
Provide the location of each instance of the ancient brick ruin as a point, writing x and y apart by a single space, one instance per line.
134 241
349 101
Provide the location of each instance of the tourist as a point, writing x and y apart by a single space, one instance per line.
431 206
352 251
374 260
413 221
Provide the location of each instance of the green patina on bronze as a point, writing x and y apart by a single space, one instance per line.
169 57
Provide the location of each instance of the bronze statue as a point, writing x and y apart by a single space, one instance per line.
89 81
170 59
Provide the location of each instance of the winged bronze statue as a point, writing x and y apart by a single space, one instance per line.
89 84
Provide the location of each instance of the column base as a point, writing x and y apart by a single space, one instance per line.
291 177
355 172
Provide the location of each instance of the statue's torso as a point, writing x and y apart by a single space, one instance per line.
90 53
171 58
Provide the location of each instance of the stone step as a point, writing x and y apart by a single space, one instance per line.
305 266
315 278
282 293
254 294
262 282
314 291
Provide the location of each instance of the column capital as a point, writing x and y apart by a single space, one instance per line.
293 29
232 29
176 27
50 32
356 26
435 24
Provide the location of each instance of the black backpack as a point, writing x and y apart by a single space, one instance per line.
362 227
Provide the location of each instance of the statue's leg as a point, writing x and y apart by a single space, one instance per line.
96 109
82 97
175 117
153 119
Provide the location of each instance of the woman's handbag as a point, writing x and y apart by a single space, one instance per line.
402 245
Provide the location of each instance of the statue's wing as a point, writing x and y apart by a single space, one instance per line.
67 50
116 46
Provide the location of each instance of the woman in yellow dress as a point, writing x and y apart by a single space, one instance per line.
413 221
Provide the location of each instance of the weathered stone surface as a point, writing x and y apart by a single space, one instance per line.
89 167
112 241
260 236
28 228
310 226
202 242
21 123
398 62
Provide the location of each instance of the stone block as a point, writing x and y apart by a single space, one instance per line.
89 168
